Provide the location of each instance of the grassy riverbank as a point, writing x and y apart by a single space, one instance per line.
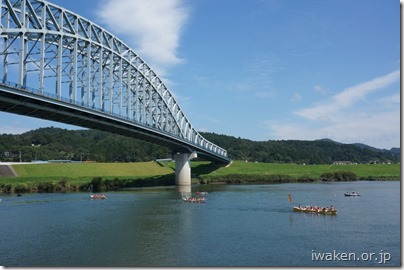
276 172
51 177
78 176
361 170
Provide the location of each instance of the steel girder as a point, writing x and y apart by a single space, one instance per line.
67 57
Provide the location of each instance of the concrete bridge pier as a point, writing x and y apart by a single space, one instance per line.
183 168
185 191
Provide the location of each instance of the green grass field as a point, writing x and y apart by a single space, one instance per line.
297 170
80 173
138 169
84 172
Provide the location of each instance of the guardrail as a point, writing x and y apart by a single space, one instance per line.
204 144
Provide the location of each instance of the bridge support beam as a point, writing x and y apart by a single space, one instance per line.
183 168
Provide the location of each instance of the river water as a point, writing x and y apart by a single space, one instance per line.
239 225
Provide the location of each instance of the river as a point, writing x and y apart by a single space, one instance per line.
238 225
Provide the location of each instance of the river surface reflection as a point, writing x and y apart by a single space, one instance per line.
239 225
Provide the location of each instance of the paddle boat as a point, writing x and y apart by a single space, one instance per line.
194 199
201 193
316 210
98 197
350 194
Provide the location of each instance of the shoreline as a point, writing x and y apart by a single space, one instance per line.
73 177
107 185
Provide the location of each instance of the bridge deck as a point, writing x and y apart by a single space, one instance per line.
15 101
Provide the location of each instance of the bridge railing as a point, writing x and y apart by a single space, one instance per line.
200 142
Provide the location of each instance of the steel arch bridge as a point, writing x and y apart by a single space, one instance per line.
59 66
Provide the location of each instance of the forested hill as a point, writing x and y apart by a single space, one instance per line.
296 151
91 145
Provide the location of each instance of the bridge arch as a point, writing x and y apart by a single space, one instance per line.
53 57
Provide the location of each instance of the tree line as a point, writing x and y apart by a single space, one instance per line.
92 145
323 151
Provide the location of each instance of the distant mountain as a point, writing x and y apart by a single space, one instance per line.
365 146
93 145
327 140
298 151
395 151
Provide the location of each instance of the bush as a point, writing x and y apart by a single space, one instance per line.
248 178
46 187
97 184
8 188
164 180
114 183
339 176
22 188
64 183
305 179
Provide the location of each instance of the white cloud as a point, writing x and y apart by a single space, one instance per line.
151 27
321 90
347 98
202 129
355 93
389 100
343 119
266 94
379 130
297 97
13 129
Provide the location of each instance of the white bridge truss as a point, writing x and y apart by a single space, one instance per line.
49 51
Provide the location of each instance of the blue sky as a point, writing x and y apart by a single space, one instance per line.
265 69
